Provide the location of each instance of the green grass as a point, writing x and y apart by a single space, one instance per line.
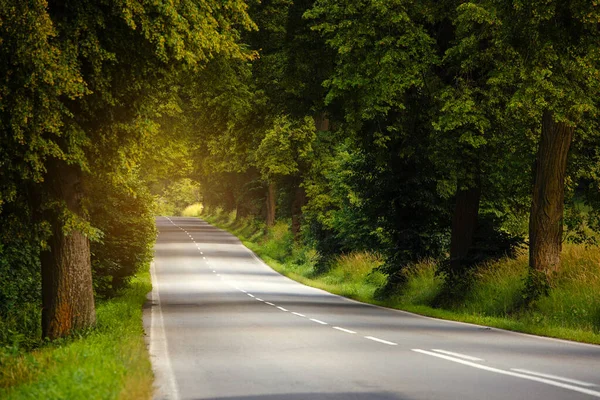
108 362
571 311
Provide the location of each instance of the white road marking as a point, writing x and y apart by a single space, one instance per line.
251 295
343 330
555 377
282 309
381 340
258 299
510 373
201 252
204 258
271 304
158 342
298 314
218 274
466 357
318 321
243 291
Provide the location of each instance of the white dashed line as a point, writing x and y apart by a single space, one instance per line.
343 330
555 377
298 314
251 295
466 357
318 321
258 299
271 304
381 340
242 290
282 309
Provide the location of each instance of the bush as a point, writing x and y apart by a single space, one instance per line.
20 280
125 215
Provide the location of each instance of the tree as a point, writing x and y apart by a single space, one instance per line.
75 73
548 64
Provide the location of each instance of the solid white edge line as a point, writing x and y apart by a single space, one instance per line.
343 329
459 355
158 340
510 373
282 309
318 321
298 314
381 340
555 377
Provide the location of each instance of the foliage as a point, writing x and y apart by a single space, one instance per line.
109 362
127 236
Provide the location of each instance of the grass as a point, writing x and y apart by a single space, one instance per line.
571 311
108 362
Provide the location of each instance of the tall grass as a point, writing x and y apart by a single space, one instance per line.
108 362
495 297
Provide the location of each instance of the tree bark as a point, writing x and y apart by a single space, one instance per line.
67 291
271 201
297 203
241 210
464 224
321 122
547 207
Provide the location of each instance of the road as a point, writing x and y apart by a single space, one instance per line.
223 325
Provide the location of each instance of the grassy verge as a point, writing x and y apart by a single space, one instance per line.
108 362
571 311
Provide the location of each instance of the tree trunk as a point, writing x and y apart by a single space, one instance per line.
297 203
271 204
241 210
67 291
229 200
464 224
546 218
321 122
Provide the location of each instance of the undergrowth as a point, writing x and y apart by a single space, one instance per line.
109 361
495 298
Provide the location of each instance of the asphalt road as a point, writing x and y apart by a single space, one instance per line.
223 325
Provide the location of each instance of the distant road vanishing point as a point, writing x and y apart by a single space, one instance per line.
223 325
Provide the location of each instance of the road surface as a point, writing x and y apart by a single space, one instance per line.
223 325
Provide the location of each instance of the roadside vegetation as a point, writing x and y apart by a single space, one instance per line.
109 361
494 297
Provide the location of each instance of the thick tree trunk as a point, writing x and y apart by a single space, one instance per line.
546 218
464 224
67 291
271 201
297 203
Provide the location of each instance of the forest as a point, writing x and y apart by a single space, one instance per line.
452 132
